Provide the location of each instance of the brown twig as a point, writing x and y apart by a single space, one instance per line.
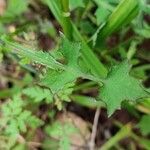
94 129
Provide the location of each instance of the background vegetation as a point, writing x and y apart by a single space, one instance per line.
74 75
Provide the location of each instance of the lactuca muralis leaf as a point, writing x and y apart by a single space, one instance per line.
120 86
56 80
39 57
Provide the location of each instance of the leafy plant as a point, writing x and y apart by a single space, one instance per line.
99 60
118 77
15 118
61 132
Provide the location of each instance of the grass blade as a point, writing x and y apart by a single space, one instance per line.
122 15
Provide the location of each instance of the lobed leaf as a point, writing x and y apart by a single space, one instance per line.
120 86
38 94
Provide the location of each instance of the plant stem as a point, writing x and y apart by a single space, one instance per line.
123 133
86 85
94 129
66 23
122 15
97 68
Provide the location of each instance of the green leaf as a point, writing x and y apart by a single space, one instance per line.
56 80
38 94
71 52
16 7
36 56
15 118
144 124
120 86
62 132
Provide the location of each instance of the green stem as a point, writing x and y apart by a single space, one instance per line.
90 59
141 141
123 133
123 14
86 85
86 101
66 23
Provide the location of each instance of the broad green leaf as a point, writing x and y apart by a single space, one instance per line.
71 52
120 86
144 124
56 80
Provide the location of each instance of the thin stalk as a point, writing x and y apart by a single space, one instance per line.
94 129
123 133
90 59
86 101
141 141
124 13
66 23
86 85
